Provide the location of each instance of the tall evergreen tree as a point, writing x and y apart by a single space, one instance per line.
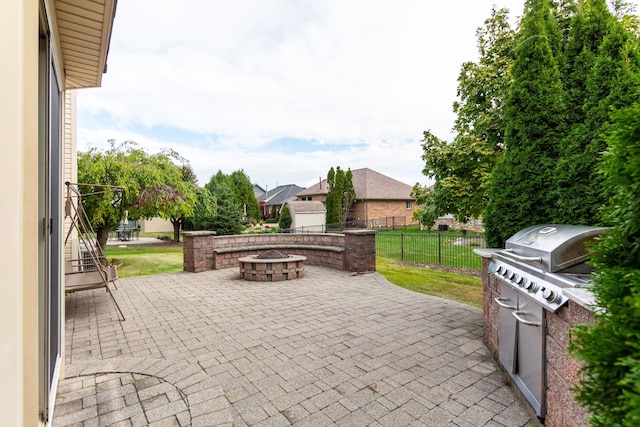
329 201
521 185
604 75
338 195
228 217
245 197
349 197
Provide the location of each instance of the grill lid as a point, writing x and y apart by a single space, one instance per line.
552 247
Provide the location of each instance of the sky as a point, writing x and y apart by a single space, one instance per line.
284 89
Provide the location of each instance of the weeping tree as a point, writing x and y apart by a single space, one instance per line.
151 185
181 209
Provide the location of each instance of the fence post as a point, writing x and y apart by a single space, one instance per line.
439 248
402 246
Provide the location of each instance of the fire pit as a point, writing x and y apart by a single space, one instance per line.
271 266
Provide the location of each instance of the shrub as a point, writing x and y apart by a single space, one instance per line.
285 218
610 348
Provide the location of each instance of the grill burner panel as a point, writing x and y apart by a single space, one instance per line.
529 282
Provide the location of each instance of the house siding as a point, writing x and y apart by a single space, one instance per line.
19 220
23 128
70 162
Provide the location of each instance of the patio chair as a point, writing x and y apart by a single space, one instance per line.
91 269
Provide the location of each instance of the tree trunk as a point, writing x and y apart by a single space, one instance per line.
102 235
177 223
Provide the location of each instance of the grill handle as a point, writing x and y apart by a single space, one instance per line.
510 253
499 301
517 314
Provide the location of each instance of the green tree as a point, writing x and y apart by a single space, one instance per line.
341 195
349 197
604 75
338 192
204 211
243 190
461 169
179 212
150 183
228 217
521 186
285 219
427 212
610 347
329 201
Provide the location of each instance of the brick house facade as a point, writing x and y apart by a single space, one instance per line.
378 199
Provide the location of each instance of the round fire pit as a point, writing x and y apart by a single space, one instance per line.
272 266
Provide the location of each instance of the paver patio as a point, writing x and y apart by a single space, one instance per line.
332 348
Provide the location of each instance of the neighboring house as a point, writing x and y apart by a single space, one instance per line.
448 222
258 191
378 198
307 216
155 225
49 48
271 201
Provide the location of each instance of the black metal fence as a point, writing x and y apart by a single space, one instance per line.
437 248
386 223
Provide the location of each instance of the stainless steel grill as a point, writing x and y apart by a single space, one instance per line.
533 269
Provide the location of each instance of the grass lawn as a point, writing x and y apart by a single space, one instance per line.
143 260
451 286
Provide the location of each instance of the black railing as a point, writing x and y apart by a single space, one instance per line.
448 249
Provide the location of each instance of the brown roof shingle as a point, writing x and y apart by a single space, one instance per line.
369 185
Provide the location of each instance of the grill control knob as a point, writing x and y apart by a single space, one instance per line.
549 294
523 282
514 278
499 269
505 272
511 275
519 280
532 286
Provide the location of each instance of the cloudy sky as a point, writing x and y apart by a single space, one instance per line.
284 89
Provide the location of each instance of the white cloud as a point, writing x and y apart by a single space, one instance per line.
250 72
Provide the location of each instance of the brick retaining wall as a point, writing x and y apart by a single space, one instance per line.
352 251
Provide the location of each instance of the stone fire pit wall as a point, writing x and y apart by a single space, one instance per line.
351 251
562 370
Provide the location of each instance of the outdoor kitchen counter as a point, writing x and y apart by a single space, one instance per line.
581 296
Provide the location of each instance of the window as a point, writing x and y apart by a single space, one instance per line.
307 198
408 204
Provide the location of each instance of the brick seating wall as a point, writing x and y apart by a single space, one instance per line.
320 249
351 251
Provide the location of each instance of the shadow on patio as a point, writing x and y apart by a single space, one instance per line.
329 349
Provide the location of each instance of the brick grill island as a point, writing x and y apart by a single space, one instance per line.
272 266
534 291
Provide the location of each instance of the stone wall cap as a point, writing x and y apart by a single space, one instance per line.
360 231
199 233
